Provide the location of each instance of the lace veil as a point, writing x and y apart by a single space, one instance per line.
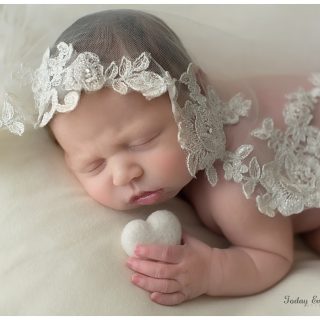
246 40
206 69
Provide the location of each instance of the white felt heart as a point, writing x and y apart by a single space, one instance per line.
161 227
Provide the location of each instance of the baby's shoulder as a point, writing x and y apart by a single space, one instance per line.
223 208
208 200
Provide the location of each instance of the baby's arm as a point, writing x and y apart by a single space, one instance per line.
260 255
262 248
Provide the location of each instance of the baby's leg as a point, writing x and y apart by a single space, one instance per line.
308 225
312 238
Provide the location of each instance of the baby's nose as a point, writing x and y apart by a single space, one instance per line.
123 175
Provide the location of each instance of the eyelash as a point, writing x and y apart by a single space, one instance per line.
97 166
102 163
141 144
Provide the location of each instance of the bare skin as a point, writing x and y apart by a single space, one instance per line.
119 146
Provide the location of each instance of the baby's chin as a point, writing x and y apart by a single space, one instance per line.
128 207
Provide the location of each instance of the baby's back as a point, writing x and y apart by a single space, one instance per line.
284 153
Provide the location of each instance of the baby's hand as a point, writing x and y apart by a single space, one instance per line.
172 274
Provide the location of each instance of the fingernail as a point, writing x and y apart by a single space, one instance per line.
139 250
135 278
129 263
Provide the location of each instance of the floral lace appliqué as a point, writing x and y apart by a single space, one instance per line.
200 122
65 75
291 182
11 118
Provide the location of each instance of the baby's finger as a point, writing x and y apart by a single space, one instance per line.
158 285
153 269
168 299
164 253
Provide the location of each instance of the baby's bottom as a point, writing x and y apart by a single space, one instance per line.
307 225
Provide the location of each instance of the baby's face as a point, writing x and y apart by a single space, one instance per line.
123 149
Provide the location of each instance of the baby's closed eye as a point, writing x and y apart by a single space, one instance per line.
143 142
96 166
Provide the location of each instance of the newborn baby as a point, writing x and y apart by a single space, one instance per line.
140 123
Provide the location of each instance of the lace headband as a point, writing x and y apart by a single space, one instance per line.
67 74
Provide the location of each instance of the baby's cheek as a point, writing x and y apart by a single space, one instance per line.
98 191
170 162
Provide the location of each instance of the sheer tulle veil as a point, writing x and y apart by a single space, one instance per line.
209 59
228 42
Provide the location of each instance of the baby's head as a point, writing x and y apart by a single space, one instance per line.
119 146
123 148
